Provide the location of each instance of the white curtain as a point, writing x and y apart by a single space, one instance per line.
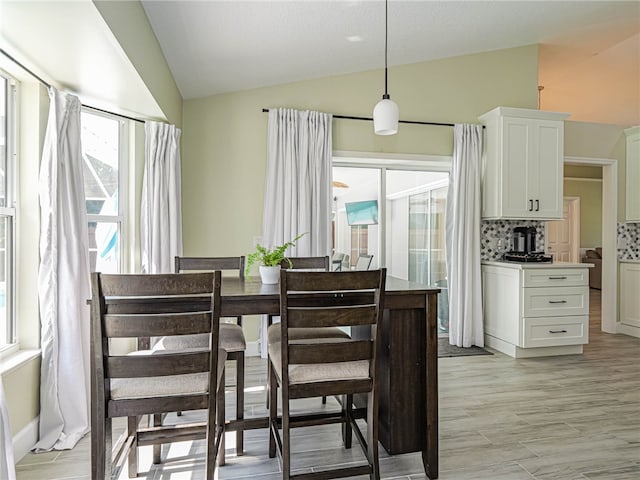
297 196
7 464
63 280
463 239
161 204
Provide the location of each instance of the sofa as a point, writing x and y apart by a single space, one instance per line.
594 256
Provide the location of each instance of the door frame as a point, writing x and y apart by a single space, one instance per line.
609 323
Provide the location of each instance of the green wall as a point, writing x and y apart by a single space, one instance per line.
225 136
596 140
590 193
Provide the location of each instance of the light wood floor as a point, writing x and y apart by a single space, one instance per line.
557 418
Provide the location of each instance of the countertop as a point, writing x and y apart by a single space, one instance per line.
523 265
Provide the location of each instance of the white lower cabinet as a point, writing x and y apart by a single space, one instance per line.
534 310
630 298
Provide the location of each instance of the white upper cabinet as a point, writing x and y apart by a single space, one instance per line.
633 174
523 164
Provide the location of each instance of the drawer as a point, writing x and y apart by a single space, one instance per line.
555 302
555 277
555 331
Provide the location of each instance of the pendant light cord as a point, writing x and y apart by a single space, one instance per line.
386 36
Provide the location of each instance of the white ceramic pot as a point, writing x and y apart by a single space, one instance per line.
270 275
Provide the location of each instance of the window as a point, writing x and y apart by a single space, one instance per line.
8 136
103 152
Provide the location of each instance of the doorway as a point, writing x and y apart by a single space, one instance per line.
609 311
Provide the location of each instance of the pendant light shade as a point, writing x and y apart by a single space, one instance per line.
385 117
386 112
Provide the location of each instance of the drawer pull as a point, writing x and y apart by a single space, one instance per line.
557 301
557 331
557 278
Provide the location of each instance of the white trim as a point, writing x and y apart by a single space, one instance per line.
25 439
581 179
434 163
610 322
15 360
629 330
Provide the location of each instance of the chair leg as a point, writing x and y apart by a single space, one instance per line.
240 402
101 448
157 449
273 407
372 436
221 419
132 431
286 437
347 411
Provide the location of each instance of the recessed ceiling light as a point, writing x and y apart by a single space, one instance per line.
355 38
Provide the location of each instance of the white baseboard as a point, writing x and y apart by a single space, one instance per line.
25 439
253 349
628 330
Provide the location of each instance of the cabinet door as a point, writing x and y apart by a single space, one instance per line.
547 170
633 175
629 298
532 168
517 168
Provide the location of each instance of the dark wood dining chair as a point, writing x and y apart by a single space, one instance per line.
273 334
148 382
316 367
232 338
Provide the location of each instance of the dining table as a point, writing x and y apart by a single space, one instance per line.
408 367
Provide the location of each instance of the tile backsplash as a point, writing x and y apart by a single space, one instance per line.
628 241
496 236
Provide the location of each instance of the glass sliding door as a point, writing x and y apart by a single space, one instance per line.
405 233
356 216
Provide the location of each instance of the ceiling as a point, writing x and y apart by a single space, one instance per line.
589 50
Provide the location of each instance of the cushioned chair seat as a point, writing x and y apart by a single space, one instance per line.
196 383
318 372
231 340
274 332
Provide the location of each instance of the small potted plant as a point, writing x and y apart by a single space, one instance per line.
270 258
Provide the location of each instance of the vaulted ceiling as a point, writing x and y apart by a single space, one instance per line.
589 53
589 60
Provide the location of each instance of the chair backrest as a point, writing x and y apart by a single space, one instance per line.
331 299
364 262
131 306
185 264
300 263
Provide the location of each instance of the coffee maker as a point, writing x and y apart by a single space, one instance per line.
524 240
524 246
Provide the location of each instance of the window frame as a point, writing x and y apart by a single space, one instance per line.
9 212
121 217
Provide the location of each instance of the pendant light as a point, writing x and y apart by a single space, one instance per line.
385 113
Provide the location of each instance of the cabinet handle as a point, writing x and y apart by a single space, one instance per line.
530 205
537 205
557 278
557 331
557 301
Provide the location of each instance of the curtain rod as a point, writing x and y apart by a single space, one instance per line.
48 85
415 122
